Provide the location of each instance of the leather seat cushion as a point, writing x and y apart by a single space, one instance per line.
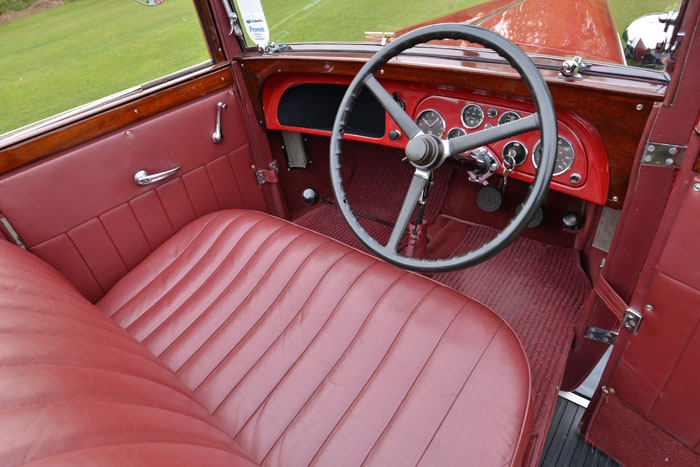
305 350
76 389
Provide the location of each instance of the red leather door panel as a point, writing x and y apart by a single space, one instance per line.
82 212
650 411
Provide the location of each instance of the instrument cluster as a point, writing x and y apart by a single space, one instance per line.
447 117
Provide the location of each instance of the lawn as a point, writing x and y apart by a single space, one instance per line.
61 58
88 49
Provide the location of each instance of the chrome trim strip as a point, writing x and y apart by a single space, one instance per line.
13 232
575 398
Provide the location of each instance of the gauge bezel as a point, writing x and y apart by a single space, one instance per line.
527 151
495 112
444 123
447 134
506 113
483 116
555 174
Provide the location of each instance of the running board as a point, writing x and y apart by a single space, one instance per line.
564 445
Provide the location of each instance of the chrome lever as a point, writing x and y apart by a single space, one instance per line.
217 136
144 178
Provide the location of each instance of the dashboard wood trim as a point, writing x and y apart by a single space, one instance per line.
609 103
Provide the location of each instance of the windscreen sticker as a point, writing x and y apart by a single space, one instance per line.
254 21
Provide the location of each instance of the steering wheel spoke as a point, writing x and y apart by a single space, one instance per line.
493 134
402 119
418 182
426 152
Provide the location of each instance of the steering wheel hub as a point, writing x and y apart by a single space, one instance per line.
424 151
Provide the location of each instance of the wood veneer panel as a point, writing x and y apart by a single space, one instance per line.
609 103
127 114
209 30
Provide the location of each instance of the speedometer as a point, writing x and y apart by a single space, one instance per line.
565 156
508 117
472 116
431 123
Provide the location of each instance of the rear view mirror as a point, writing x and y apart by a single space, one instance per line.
647 39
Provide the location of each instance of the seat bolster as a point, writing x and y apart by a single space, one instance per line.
76 389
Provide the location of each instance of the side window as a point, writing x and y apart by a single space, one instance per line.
55 56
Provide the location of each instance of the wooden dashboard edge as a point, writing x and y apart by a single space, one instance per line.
616 108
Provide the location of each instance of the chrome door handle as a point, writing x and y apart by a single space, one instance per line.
144 178
217 136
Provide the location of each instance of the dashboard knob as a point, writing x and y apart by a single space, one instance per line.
572 220
310 196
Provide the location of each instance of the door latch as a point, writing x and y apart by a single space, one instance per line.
232 19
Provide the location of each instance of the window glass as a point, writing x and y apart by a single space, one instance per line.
55 59
592 29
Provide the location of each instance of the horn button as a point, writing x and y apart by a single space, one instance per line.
424 151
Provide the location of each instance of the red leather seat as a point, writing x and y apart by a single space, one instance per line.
268 344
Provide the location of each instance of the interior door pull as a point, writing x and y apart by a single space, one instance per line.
144 178
217 136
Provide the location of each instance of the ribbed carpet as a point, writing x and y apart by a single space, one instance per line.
380 196
537 289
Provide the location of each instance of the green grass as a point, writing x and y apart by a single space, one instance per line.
343 20
62 58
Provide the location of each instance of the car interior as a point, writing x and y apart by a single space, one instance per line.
384 253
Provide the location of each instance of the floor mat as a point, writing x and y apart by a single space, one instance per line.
380 197
538 290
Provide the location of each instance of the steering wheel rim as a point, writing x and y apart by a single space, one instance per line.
544 119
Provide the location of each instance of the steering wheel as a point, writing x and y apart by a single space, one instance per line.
427 152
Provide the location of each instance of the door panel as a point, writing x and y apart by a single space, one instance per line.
658 372
82 212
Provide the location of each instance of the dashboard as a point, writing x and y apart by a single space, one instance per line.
307 104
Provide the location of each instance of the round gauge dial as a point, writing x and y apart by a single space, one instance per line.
431 123
472 116
456 132
516 150
508 117
492 112
565 156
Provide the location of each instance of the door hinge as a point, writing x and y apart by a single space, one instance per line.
270 175
601 335
663 155
630 321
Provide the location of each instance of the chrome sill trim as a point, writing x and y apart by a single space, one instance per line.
177 74
575 398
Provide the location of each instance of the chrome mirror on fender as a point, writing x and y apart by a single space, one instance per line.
150 2
647 40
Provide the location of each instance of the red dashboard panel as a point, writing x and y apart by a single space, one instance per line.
590 161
